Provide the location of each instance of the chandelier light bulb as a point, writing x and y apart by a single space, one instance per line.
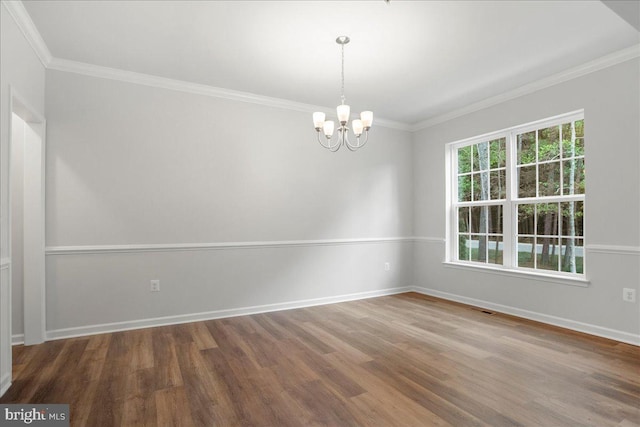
367 119
356 126
343 113
327 128
318 120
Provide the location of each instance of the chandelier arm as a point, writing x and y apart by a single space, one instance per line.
339 142
328 146
320 141
358 145
366 138
350 146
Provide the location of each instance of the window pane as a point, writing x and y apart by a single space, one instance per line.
497 153
463 247
549 143
526 219
526 146
548 253
478 248
572 218
572 255
573 144
579 146
547 219
573 180
527 181
579 218
525 252
579 125
478 219
481 156
464 159
481 186
463 220
495 250
464 188
497 184
495 219
549 179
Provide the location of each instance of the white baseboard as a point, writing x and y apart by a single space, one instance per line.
17 339
5 383
218 314
587 328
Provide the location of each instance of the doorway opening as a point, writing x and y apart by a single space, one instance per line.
26 216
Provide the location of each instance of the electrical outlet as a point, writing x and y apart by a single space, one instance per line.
387 266
629 294
155 286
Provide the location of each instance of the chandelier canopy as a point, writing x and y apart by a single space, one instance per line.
358 126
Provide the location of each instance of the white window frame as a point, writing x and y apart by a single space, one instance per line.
509 206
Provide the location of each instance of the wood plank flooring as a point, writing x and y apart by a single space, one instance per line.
403 360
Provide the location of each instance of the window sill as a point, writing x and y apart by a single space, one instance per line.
571 281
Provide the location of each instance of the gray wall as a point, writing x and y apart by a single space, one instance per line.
136 165
610 99
20 70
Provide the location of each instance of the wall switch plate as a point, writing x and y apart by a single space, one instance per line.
629 294
387 266
155 286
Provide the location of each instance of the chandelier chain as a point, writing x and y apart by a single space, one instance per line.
342 87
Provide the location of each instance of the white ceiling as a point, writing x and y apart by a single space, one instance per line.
408 61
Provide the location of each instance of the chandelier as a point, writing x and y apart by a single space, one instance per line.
357 126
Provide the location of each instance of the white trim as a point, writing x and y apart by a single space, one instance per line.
5 263
17 339
22 19
217 314
614 249
430 239
572 73
595 248
587 328
21 107
172 247
92 70
522 274
525 127
5 383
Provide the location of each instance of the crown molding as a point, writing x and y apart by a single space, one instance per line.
22 19
195 88
20 15
28 28
572 73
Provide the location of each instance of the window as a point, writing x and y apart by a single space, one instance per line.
517 198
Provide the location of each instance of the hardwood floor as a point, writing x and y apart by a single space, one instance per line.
403 360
